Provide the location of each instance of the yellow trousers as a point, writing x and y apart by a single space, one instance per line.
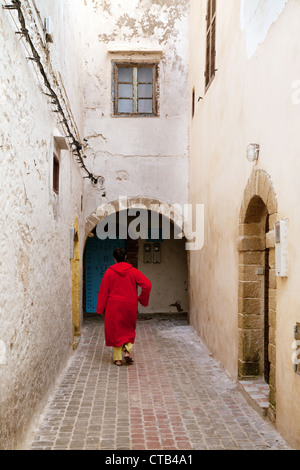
118 351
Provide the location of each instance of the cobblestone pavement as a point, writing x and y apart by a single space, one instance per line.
174 396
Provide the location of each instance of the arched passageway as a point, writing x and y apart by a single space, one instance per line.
257 284
154 245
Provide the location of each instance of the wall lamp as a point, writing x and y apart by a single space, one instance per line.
252 152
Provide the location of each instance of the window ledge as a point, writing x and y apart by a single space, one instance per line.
137 115
134 50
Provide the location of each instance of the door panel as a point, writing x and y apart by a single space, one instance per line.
98 258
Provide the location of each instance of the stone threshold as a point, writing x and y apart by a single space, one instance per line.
256 392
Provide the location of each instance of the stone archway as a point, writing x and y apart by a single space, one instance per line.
171 211
168 253
257 283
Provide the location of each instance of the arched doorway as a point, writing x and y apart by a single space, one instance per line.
162 258
257 284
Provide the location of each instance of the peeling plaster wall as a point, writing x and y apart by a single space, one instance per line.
35 273
257 18
136 155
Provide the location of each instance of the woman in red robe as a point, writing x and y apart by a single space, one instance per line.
118 302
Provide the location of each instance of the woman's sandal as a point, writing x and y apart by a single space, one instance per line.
118 363
128 360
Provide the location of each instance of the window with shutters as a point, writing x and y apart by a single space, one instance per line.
210 69
135 89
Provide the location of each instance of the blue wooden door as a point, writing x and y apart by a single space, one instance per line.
98 258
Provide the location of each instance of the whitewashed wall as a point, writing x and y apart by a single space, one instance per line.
35 275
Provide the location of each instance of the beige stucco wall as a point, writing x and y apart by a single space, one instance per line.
253 99
169 278
35 271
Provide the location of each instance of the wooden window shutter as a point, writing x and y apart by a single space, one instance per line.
213 48
208 16
55 174
210 66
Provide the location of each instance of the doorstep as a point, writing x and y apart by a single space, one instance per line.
256 392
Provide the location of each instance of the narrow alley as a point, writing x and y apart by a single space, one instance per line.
175 396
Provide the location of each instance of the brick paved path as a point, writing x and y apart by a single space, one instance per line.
175 396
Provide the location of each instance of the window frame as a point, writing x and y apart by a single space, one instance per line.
56 172
115 87
210 60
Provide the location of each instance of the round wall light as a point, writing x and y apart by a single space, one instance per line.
252 152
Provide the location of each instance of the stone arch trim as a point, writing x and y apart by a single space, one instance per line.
259 204
175 215
259 184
